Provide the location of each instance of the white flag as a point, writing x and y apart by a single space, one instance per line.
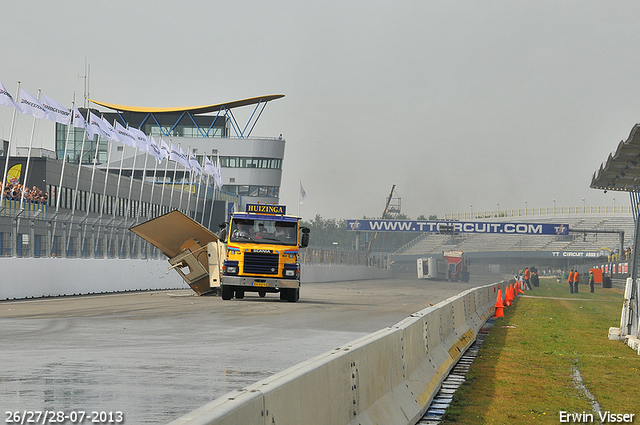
30 105
125 135
303 194
195 165
112 134
97 126
6 99
178 156
141 139
155 150
166 150
80 122
55 111
218 175
209 167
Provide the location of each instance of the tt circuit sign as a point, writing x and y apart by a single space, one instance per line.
457 227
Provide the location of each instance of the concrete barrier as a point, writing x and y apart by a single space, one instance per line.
317 273
388 377
52 277
47 277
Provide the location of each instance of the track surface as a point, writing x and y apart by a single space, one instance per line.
158 355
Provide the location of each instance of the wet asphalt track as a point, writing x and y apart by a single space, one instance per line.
157 355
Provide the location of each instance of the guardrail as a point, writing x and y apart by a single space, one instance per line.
389 376
544 211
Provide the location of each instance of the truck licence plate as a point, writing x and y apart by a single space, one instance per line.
265 284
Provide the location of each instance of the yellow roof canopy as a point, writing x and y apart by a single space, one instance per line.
192 109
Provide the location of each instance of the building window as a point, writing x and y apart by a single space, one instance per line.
245 190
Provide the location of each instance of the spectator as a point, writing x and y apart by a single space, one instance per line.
570 280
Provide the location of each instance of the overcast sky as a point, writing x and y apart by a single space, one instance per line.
461 104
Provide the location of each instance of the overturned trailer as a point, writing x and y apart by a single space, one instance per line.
194 251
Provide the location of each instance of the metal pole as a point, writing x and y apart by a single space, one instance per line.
8 152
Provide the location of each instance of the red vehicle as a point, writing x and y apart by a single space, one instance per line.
458 263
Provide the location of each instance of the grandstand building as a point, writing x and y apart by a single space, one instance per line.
89 208
599 240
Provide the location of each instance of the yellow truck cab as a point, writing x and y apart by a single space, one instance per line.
263 251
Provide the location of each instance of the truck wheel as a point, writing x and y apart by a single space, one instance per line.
283 294
239 294
294 295
226 292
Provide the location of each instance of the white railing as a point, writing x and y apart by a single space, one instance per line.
545 211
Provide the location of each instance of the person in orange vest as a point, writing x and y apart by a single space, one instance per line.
570 280
527 277
576 281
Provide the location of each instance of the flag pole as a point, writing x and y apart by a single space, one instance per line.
64 157
204 200
106 175
213 199
124 148
133 167
299 202
144 175
7 153
173 183
216 184
183 176
164 180
190 184
75 192
103 204
26 171
153 186
93 173
64 161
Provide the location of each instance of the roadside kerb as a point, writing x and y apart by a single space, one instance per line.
387 377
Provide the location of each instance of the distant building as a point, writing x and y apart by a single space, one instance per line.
90 208
251 167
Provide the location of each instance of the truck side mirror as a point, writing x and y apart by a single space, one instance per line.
304 240
222 233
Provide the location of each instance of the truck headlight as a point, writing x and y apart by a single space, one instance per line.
291 270
230 267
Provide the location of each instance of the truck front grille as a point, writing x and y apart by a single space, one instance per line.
257 263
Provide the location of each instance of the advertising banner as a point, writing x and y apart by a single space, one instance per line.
366 225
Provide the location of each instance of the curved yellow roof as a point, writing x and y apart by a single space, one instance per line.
193 109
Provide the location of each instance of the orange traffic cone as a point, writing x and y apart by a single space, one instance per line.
508 298
499 306
520 290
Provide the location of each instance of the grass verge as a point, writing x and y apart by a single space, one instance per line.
524 371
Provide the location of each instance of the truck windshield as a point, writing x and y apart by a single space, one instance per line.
264 232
